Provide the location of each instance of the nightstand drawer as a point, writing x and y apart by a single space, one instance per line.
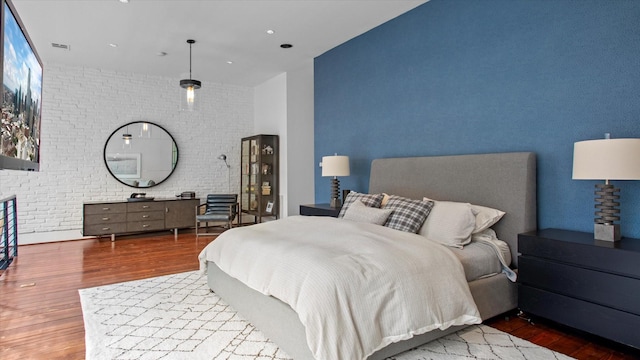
613 324
578 248
619 292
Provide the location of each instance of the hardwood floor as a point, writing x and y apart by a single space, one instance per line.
41 317
562 339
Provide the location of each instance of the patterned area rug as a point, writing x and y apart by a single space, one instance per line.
177 317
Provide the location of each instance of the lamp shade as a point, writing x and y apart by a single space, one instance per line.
336 165
606 159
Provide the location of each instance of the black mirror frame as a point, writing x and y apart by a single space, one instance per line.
104 154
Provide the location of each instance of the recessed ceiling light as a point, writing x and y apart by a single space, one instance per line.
229 62
270 32
61 46
161 53
113 45
124 1
286 46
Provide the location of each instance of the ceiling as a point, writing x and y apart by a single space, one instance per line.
224 30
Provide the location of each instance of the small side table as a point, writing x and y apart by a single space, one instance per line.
319 210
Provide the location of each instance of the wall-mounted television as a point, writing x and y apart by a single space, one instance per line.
21 94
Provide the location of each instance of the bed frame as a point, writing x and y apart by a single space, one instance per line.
505 181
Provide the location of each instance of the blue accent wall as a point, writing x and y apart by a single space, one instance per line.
459 76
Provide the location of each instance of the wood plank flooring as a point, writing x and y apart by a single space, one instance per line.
41 317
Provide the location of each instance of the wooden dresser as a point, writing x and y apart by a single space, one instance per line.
123 217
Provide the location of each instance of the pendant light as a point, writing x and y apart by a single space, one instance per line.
145 130
126 137
188 95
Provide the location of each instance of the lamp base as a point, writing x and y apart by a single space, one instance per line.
335 191
606 232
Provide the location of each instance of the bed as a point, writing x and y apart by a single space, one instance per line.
505 181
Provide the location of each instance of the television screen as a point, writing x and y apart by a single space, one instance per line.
21 95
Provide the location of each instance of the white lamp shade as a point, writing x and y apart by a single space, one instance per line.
606 159
336 165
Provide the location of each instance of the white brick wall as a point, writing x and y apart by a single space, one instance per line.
82 107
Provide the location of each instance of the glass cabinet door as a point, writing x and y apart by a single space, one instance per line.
259 177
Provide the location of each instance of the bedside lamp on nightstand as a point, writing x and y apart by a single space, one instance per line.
336 165
607 159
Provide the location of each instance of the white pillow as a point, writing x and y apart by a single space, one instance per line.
486 217
360 212
449 223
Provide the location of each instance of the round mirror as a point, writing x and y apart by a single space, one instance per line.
141 154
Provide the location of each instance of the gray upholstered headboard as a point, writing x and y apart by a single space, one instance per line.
504 181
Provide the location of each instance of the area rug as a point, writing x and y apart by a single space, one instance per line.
177 317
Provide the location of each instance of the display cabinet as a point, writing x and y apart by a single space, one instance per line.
259 177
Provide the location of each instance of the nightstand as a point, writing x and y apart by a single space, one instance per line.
319 210
591 285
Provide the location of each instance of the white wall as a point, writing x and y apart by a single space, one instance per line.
83 106
300 116
271 118
284 106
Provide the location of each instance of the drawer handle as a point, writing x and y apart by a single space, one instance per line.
145 206
105 219
106 208
145 216
145 226
105 229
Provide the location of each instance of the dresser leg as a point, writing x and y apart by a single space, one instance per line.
113 237
523 316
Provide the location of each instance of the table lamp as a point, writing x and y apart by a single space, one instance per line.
607 159
336 165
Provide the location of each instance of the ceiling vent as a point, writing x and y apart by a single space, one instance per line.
61 46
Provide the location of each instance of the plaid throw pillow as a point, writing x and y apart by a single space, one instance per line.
408 215
371 200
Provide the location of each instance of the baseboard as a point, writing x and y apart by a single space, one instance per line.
50 236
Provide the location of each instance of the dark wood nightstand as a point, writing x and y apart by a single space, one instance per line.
319 210
591 285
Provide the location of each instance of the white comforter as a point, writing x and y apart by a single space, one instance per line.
356 287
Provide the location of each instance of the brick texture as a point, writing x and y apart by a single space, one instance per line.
83 106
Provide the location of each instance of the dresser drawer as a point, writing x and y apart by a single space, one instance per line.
108 218
145 216
145 225
610 323
91 209
104 229
145 206
619 292
582 250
